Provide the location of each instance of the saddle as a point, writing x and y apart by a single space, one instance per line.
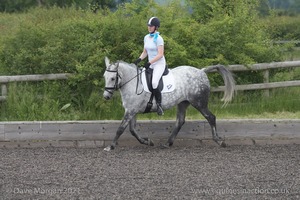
149 75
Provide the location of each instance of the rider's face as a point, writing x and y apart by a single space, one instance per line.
151 29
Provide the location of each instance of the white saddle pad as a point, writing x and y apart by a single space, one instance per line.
169 82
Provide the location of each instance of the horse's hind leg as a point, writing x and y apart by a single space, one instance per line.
132 130
211 118
181 112
202 107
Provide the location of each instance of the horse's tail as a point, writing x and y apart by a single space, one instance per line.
228 80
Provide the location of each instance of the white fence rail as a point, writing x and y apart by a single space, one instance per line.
265 67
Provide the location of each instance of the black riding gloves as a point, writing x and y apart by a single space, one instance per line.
147 65
137 61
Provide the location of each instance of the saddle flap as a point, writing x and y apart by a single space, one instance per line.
166 72
166 83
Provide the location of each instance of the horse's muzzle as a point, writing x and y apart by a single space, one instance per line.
107 95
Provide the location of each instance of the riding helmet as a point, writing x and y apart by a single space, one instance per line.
154 21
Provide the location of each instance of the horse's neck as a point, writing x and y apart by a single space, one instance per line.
129 76
126 70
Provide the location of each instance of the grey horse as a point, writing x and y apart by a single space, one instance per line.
192 88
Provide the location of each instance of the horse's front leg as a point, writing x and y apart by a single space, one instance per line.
132 129
120 131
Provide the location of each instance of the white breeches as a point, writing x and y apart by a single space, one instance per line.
158 70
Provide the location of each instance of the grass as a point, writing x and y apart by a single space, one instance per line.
32 106
194 115
29 102
247 105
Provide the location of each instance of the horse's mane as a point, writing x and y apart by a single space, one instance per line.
127 64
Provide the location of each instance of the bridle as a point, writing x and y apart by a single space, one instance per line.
116 85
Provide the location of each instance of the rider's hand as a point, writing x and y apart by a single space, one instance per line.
137 61
147 65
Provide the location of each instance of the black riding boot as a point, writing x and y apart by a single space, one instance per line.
157 95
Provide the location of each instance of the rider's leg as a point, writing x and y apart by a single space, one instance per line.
158 70
157 95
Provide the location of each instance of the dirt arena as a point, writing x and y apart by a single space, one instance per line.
142 172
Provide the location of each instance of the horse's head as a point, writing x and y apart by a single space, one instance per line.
112 78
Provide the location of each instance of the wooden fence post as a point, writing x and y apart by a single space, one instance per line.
3 92
266 80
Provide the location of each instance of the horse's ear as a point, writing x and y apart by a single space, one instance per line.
107 61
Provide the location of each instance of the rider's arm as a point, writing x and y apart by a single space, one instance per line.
143 55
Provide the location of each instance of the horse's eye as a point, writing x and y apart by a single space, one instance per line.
112 79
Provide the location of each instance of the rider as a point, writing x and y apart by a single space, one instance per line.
154 49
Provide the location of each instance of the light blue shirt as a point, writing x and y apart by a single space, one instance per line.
151 45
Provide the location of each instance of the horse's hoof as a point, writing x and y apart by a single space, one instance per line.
223 144
150 143
108 148
165 146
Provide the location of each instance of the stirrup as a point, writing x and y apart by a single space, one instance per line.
160 111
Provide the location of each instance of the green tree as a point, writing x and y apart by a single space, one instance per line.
16 5
264 8
23 5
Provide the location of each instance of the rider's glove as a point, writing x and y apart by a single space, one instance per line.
137 61
147 65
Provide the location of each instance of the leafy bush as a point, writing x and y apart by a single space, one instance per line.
283 27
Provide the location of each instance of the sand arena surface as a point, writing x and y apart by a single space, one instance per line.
142 172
